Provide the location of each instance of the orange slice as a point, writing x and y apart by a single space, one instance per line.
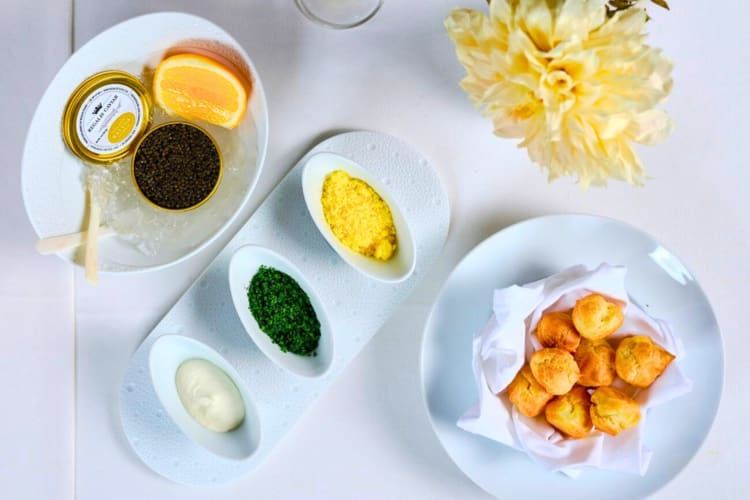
198 88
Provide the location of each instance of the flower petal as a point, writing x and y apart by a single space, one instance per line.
649 127
576 19
576 86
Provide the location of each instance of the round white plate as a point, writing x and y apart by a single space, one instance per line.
534 249
52 177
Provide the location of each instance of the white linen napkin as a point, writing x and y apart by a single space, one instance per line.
506 342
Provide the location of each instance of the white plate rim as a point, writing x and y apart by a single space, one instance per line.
431 318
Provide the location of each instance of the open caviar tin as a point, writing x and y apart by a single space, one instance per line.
202 160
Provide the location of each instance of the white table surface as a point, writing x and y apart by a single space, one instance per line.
65 345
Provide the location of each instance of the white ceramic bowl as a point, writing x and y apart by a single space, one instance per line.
51 176
399 267
166 355
244 264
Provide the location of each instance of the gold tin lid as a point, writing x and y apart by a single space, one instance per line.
105 116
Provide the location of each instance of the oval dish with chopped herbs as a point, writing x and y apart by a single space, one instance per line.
283 311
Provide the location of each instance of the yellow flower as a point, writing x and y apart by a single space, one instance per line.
578 87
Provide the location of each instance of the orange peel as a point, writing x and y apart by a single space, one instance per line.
197 87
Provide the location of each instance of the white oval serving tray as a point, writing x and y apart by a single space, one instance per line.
357 306
51 176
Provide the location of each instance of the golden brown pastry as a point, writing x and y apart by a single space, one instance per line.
555 369
596 318
570 413
527 394
612 411
639 361
556 329
596 360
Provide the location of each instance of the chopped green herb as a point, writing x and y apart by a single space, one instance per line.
283 311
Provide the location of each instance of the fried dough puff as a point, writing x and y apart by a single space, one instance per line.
556 329
570 413
612 411
596 360
639 361
596 318
527 394
555 369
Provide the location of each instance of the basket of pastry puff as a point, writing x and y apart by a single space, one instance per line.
579 378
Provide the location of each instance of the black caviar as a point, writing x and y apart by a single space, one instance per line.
283 311
177 166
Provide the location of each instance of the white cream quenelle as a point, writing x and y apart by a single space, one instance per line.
209 395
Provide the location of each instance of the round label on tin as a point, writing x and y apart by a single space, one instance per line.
109 118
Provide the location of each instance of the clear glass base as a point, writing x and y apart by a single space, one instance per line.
339 14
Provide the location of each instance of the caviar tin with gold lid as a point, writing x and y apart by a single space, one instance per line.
105 116
167 178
